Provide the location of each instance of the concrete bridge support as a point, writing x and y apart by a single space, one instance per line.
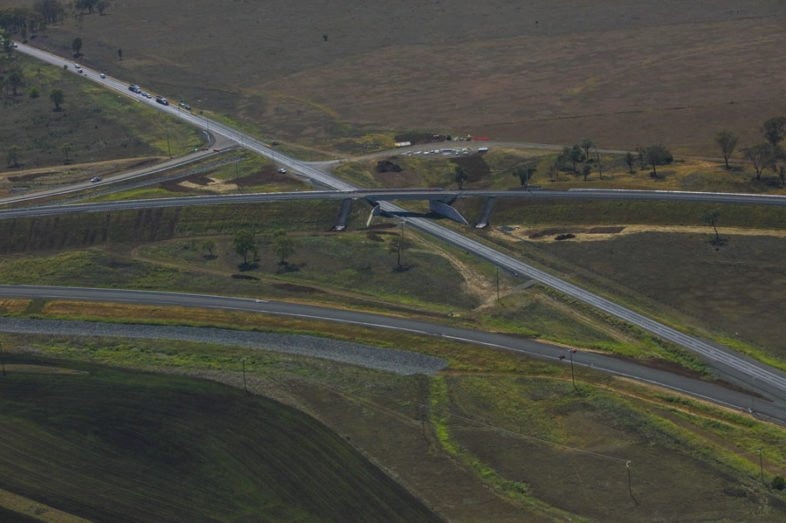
484 218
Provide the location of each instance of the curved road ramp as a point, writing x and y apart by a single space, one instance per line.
388 360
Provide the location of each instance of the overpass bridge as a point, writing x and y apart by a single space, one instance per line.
440 201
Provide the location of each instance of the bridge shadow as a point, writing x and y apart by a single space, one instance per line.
411 214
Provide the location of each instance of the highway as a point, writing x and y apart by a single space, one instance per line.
774 411
393 194
755 374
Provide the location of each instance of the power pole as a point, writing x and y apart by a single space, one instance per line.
572 373
630 485
245 387
761 467
2 357
498 285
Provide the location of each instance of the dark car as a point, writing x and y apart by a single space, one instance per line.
162 100
134 88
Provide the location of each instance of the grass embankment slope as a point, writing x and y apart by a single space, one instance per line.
94 132
106 444
623 73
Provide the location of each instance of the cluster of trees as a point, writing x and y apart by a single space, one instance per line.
768 154
91 6
24 21
651 157
578 159
245 245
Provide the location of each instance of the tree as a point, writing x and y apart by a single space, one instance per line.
727 141
657 155
12 157
119 53
460 176
76 45
50 11
245 244
774 130
576 156
209 246
778 483
283 246
57 98
711 219
586 146
87 5
397 247
761 156
586 171
14 80
102 6
67 148
630 161
524 173
598 163
5 39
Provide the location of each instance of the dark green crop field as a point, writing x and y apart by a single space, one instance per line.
113 445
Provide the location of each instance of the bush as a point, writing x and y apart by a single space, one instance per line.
778 483
34 93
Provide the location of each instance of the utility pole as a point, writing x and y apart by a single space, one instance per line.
497 285
245 387
2 357
573 374
761 467
630 485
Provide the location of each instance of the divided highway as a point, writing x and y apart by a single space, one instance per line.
755 374
774 411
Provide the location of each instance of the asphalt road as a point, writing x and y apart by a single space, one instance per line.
754 374
775 411
396 194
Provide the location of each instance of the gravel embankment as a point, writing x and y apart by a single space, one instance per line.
390 360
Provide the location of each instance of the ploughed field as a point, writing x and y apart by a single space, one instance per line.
625 73
114 445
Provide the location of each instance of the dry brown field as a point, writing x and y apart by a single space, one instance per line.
622 72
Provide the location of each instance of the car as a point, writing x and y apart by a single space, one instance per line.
134 88
184 105
146 94
102 75
77 66
95 179
282 170
162 100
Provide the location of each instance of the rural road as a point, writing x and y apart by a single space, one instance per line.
775 411
755 374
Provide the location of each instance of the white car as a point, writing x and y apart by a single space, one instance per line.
95 179
102 75
281 170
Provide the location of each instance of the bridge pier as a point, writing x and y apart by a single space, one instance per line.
343 215
444 209
375 211
484 218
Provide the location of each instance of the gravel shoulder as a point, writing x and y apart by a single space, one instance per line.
389 360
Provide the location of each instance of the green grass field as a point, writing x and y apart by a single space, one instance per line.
124 446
